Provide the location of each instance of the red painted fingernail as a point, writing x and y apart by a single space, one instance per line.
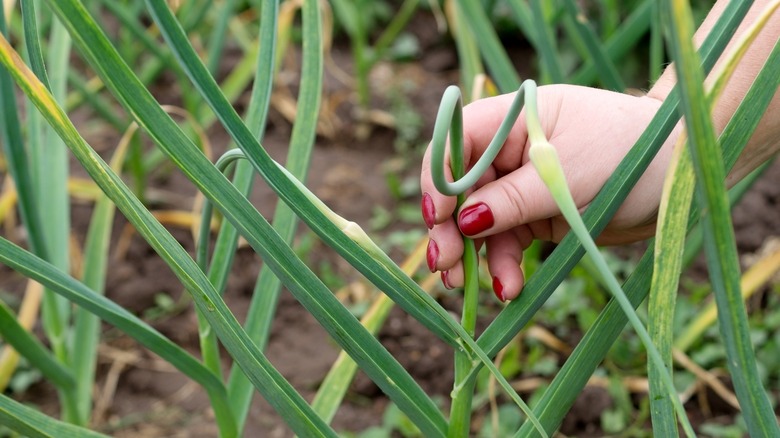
445 279
475 219
432 255
428 210
498 289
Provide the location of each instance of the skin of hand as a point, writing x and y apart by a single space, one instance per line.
592 130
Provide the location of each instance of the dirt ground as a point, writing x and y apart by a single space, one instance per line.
142 396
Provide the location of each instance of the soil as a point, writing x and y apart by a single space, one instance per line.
145 397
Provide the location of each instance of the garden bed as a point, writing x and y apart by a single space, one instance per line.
140 395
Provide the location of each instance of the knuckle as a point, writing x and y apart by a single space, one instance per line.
517 201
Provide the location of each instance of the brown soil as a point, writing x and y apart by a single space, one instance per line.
152 399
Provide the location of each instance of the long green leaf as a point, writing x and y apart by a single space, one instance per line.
32 43
468 53
594 346
227 240
413 299
493 52
51 160
34 424
656 42
49 164
266 293
374 359
361 253
719 243
631 31
604 65
86 326
43 272
695 241
522 13
217 37
32 349
670 236
263 375
539 287
545 43
16 156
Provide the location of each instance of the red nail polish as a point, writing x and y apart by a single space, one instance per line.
445 279
432 255
475 219
428 210
498 289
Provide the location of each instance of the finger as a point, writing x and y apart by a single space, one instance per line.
504 254
515 199
455 275
552 229
445 246
481 120
436 207
453 278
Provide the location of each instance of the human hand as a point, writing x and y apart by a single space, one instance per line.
592 130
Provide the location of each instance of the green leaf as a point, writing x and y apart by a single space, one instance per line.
49 165
375 266
667 265
374 359
16 156
218 32
86 327
545 42
268 286
593 348
670 238
278 391
604 65
468 52
719 243
34 424
625 38
32 349
493 52
49 276
539 287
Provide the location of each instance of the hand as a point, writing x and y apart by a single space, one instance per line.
592 131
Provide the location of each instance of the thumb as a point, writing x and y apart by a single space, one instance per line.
514 199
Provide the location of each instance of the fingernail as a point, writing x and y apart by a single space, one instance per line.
428 210
475 219
445 279
432 255
498 289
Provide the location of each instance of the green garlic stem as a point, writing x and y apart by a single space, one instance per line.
449 121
